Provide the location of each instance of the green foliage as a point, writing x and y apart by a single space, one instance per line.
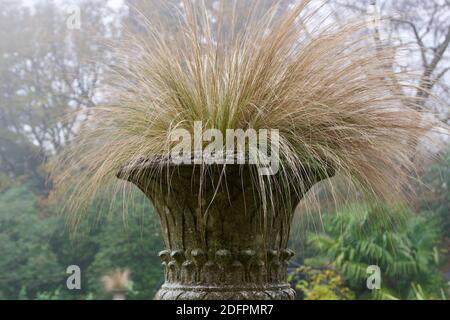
132 244
436 197
28 264
405 247
36 248
58 295
315 284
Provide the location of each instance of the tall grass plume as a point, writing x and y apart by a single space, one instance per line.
331 90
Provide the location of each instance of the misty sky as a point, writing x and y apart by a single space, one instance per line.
113 3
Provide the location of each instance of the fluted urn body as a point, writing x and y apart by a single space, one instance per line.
224 238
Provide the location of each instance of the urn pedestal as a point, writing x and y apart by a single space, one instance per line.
222 242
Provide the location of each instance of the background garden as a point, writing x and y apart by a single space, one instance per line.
49 69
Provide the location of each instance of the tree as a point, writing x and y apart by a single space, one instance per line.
424 27
165 11
47 73
28 265
37 247
133 245
436 195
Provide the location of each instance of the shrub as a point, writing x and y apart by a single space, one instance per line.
405 247
316 284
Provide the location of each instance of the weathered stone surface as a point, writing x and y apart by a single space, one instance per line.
244 275
220 243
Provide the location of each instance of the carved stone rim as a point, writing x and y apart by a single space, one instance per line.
143 164
160 162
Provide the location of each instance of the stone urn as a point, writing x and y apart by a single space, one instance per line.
222 242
